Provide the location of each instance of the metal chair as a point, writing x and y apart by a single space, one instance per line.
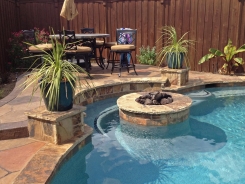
126 44
87 30
98 44
108 46
29 36
68 38
75 51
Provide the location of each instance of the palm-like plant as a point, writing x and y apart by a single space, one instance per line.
174 48
228 56
53 71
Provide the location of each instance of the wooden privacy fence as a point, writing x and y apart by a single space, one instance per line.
209 22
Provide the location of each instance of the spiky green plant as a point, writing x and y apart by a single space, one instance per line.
173 46
53 70
228 56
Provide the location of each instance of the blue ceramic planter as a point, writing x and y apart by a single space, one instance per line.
175 61
65 98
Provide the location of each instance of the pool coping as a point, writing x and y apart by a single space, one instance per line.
49 158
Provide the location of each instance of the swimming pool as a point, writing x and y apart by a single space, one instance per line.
209 147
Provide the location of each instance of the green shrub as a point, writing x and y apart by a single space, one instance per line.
147 55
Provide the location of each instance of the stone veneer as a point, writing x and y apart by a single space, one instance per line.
56 127
14 133
115 90
154 115
177 77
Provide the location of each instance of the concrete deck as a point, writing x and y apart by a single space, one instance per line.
25 160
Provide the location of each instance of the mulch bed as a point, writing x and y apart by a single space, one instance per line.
6 88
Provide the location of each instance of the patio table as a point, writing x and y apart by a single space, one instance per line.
92 37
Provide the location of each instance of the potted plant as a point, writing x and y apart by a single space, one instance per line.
147 55
56 77
175 49
230 61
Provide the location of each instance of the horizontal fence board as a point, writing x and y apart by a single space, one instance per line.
210 23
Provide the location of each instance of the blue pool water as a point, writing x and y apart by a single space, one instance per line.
207 148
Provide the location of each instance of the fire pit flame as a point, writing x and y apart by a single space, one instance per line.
155 98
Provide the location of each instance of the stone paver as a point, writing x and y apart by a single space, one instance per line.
7 144
42 165
44 162
14 155
9 178
3 173
13 116
30 161
4 110
14 159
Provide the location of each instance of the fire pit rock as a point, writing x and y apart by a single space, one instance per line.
155 98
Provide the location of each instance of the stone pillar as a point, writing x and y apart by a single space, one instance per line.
177 77
56 127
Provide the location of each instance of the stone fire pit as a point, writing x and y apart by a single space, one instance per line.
154 115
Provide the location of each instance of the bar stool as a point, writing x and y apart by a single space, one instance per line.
108 46
126 44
